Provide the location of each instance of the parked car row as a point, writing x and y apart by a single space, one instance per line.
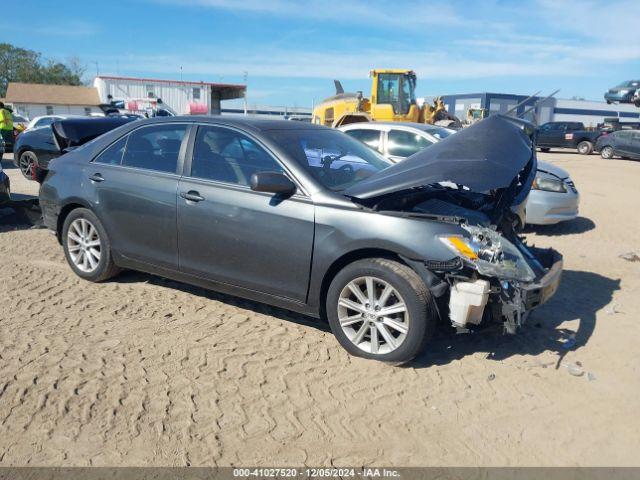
307 218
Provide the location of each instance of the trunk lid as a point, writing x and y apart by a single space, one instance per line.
73 132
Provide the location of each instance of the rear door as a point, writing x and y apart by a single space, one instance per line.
135 181
227 232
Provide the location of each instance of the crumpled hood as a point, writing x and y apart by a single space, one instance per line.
488 155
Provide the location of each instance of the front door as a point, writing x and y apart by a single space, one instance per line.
135 182
229 233
551 134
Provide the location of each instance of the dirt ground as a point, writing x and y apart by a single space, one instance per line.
143 371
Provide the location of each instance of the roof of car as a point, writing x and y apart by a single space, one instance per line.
419 126
260 124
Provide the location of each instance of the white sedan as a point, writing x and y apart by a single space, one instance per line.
553 198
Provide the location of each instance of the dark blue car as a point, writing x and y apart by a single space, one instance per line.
623 143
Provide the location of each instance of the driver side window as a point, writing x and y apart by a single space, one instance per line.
227 156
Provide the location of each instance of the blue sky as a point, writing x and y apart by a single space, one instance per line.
292 50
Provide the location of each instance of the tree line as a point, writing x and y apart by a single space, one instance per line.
22 65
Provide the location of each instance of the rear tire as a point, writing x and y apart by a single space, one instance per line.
544 149
87 247
356 303
585 147
27 162
606 152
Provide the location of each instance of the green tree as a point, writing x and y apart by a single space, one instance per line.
22 65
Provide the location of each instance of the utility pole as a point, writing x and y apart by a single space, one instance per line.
97 69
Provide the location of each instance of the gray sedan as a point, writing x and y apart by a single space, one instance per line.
307 218
554 197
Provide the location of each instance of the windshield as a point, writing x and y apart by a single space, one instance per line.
398 90
333 158
630 83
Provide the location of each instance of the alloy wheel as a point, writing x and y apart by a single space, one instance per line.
607 152
373 315
26 164
84 245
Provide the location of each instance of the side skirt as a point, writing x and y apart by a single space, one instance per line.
299 307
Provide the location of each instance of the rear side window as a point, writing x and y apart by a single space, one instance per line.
405 144
366 136
155 147
43 122
112 155
227 156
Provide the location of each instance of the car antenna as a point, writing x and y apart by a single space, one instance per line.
511 110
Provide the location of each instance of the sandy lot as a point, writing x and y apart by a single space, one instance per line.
143 371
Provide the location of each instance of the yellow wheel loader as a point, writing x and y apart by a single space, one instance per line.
392 99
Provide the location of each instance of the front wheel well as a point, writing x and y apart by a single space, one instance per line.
64 213
345 260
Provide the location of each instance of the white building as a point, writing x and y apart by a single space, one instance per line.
184 98
33 99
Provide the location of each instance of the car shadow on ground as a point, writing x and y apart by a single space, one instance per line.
21 213
256 307
579 297
570 227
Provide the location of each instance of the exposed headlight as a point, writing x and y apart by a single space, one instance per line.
490 254
549 185
623 92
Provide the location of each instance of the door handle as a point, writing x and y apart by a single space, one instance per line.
96 177
192 196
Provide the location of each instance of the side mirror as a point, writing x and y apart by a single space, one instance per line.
272 182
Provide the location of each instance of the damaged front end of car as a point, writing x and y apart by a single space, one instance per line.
499 279
472 189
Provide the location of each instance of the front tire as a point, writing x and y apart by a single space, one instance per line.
544 149
380 309
87 247
606 152
27 162
585 148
